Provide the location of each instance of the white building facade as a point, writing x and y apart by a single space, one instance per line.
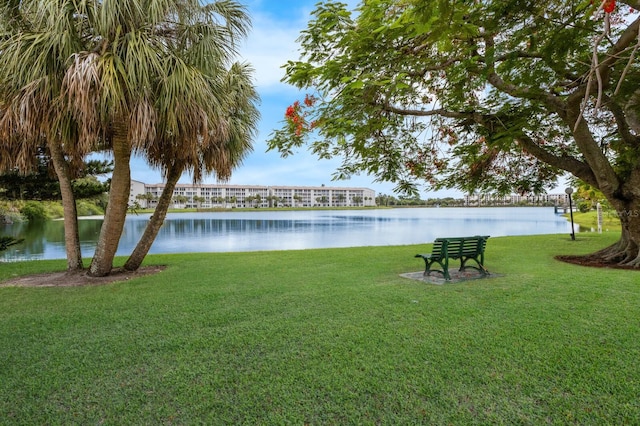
230 196
514 199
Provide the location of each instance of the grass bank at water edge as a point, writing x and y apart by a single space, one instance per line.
589 221
331 336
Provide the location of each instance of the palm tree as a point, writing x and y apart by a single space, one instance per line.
143 51
178 199
223 141
199 200
100 73
37 40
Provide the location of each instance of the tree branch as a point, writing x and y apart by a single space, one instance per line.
511 89
624 119
632 3
630 109
563 162
628 37
424 113
606 176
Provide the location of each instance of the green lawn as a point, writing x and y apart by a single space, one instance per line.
589 220
330 336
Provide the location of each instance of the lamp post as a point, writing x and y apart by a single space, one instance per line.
569 191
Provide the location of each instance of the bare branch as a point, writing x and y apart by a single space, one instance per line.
602 69
628 66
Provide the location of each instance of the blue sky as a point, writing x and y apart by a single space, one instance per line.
271 43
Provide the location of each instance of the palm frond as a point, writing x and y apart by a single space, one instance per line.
115 87
142 125
18 153
141 58
81 87
230 14
241 118
154 71
117 17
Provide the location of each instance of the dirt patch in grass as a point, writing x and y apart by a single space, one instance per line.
78 278
594 262
456 276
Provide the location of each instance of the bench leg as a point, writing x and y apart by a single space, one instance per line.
480 266
445 269
429 263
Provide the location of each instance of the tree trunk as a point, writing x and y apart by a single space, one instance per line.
156 221
116 213
628 246
626 251
71 234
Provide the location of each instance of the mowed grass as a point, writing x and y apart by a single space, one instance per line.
589 220
332 336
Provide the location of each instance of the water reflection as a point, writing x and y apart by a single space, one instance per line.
248 231
45 239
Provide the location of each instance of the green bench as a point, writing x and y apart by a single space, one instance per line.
463 248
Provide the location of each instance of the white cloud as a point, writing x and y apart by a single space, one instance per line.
301 169
269 46
272 41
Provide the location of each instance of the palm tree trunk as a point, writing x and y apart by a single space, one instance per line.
116 213
71 234
156 221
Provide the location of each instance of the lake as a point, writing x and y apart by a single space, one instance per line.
291 230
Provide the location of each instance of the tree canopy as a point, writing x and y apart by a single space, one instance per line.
497 96
126 76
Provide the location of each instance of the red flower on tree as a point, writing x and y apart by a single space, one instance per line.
609 6
290 112
309 100
296 114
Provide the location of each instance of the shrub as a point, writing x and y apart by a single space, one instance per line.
9 217
88 208
34 210
9 213
54 209
584 206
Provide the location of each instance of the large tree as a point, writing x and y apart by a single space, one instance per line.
95 74
497 95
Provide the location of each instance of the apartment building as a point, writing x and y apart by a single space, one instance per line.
514 199
230 196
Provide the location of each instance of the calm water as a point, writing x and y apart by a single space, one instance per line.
287 230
